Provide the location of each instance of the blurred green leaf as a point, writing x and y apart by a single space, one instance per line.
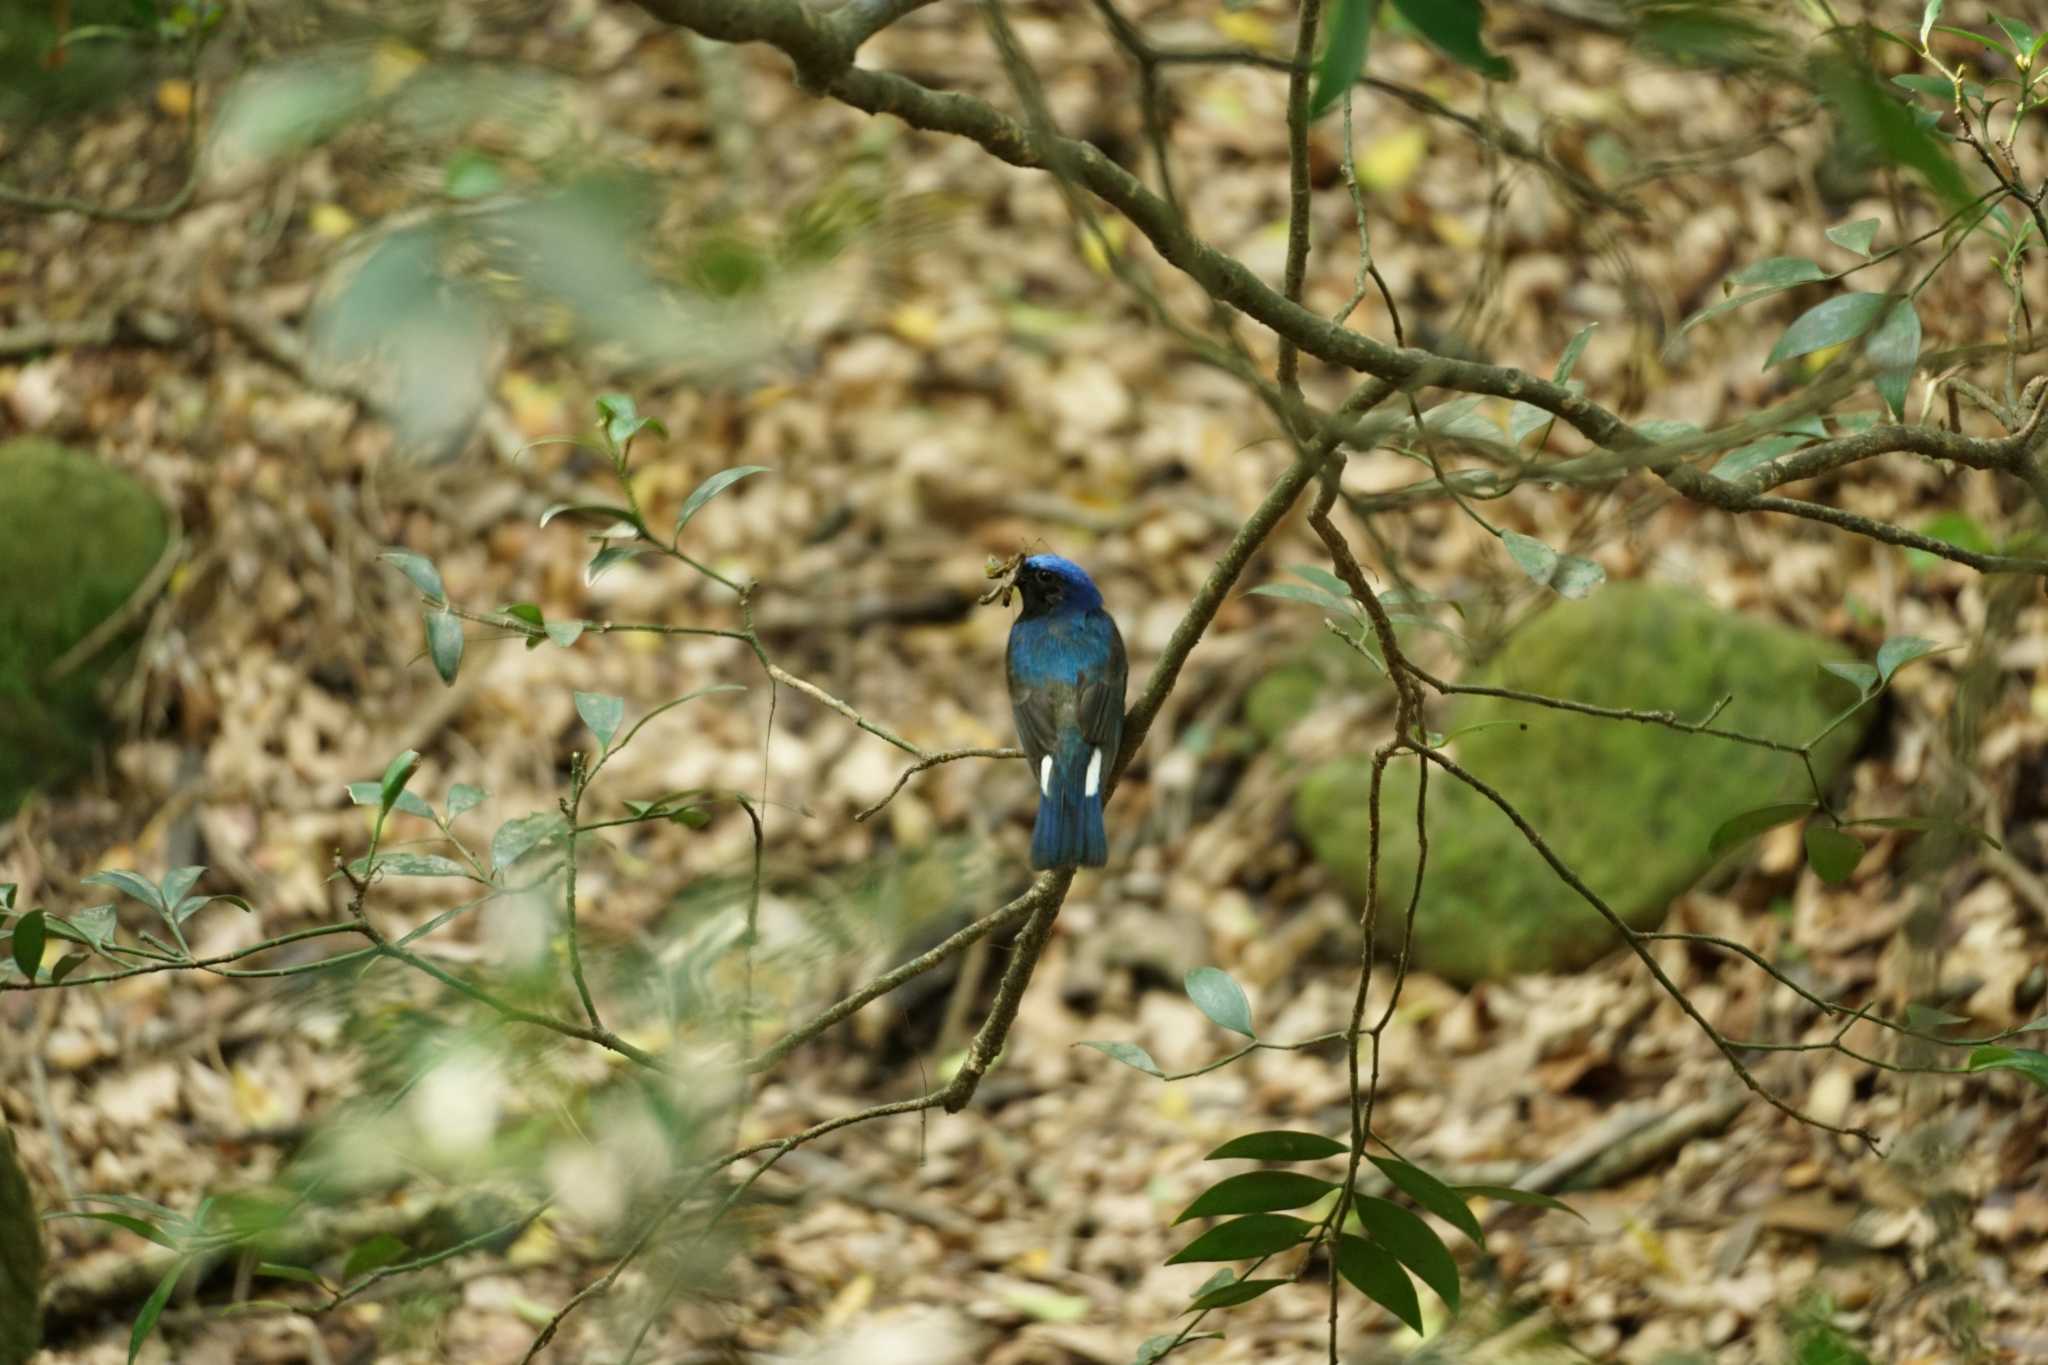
472 175
1346 42
1297 592
462 798
1832 854
373 1255
2028 1062
519 836
397 773
409 865
1567 575
1856 236
153 1308
1453 28
1737 829
1130 1054
1859 675
1895 653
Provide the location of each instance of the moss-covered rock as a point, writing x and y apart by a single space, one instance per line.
1629 806
21 1260
76 539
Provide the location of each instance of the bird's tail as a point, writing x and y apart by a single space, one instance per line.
1069 831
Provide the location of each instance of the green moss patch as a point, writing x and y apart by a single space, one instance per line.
1629 806
76 540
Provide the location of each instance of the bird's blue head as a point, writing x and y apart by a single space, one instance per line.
1052 585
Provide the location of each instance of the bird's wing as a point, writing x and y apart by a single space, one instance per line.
1102 696
1037 724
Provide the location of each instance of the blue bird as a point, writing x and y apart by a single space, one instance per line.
1066 667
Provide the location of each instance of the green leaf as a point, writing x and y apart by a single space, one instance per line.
2025 1060
1130 1054
444 643
1221 998
93 926
566 633
1894 349
1928 17
370 794
1856 673
1909 822
472 175
278 1270
1452 27
177 882
618 516
1413 1243
1377 1275
1573 349
526 613
1278 1144
519 836
1988 44
1323 579
602 714
2022 37
1958 529
1779 272
397 773
420 570
1740 461
140 1227
66 965
1856 236
606 558
1940 87
1738 829
1508 1194
1230 1295
1346 42
153 1308
621 421
1928 1019
409 865
1256 1234
462 798
1830 322
1566 575
1832 854
1439 1198
1155 1348
1871 116
29 933
1256 1192
373 1255
7 892
1895 653
1315 597
192 905
130 884
711 488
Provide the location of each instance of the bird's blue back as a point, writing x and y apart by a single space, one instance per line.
1066 673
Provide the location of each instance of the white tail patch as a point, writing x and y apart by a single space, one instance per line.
1093 782
1045 776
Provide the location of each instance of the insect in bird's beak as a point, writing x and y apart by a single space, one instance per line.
1004 572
